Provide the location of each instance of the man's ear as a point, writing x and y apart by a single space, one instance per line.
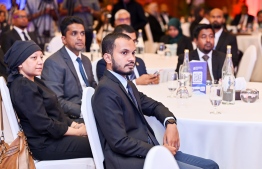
63 40
108 58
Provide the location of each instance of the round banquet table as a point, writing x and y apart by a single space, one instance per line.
233 138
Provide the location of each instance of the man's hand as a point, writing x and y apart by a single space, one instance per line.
146 79
171 138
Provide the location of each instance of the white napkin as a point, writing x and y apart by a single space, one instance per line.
240 83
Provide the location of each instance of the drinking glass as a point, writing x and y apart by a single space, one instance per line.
172 82
161 49
215 97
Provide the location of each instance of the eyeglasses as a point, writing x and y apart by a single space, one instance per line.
123 19
19 16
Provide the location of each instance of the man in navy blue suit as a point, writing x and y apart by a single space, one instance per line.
140 75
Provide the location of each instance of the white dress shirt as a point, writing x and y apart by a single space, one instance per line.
209 61
76 65
20 32
217 36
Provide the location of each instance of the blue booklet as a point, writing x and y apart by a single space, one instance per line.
199 71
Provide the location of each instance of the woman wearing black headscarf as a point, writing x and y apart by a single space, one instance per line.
175 35
51 135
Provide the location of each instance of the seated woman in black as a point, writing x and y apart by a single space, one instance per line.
175 35
51 135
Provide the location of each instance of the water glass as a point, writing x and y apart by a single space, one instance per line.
215 97
172 83
161 49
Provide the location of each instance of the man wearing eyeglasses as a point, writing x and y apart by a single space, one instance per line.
19 31
122 17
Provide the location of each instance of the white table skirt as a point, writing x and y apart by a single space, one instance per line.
232 139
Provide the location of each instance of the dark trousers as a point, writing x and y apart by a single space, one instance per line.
89 37
67 147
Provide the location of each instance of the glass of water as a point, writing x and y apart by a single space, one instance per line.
215 97
172 82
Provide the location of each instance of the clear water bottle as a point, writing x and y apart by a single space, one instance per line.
228 49
185 72
94 48
140 47
228 81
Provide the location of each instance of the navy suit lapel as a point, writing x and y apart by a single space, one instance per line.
70 64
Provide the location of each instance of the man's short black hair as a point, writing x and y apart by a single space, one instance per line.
124 28
68 20
199 27
259 12
108 43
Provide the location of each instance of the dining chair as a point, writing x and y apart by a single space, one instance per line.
55 44
159 157
83 163
91 128
94 64
247 63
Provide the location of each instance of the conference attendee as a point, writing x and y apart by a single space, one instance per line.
19 31
4 26
259 19
164 14
125 135
198 14
175 36
51 135
155 22
87 10
140 75
222 37
204 36
243 19
122 16
3 70
138 18
68 71
42 16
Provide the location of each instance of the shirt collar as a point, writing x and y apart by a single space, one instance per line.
20 30
122 79
201 54
72 55
218 33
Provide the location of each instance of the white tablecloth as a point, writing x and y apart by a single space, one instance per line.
233 139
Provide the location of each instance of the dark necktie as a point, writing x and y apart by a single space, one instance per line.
151 138
26 38
206 57
82 71
132 76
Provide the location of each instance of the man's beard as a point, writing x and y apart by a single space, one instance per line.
217 25
115 69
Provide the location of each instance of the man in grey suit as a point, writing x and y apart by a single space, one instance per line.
67 71
204 35
119 109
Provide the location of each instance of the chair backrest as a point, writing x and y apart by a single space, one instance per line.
160 157
55 44
94 69
7 104
247 63
91 128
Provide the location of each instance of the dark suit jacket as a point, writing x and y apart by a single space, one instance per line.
228 39
41 116
121 125
101 67
9 38
60 76
218 59
3 70
237 18
155 27
182 44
